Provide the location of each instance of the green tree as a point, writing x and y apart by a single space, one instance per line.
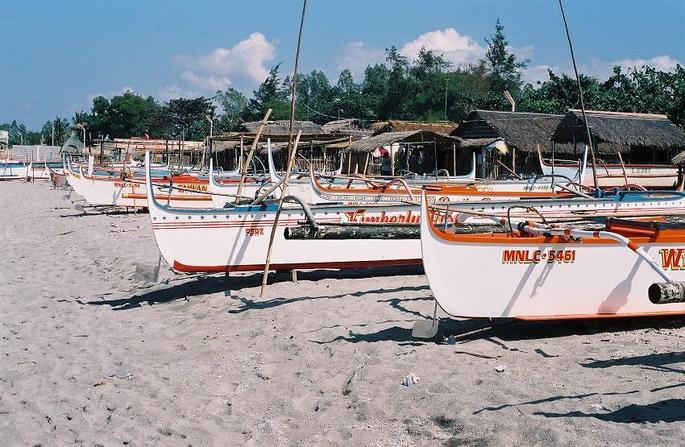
233 105
503 66
374 89
188 117
427 85
269 95
347 100
314 96
393 104
62 130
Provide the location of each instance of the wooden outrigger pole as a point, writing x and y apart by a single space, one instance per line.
292 148
582 103
250 154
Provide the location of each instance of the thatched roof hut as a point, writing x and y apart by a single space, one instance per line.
444 128
281 127
524 131
412 136
419 151
679 159
614 132
73 146
347 126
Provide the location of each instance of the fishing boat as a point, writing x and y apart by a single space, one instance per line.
236 238
115 189
41 170
351 189
362 190
57 176
224 189
13 170
628 204
538 271
612 175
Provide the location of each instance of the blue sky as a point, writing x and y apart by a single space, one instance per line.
58 54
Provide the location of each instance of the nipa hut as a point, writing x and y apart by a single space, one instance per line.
313 148
281 127
171 151
444 128
638 137
419 151
522 132
347 126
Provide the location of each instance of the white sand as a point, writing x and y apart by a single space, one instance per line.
90 355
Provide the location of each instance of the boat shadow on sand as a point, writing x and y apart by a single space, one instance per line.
666 410
465 330
499 332
210 284
89 211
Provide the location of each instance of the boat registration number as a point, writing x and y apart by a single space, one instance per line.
254 231
538 256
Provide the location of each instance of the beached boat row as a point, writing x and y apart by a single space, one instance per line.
529 249
542 271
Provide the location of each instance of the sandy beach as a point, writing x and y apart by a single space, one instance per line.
94 353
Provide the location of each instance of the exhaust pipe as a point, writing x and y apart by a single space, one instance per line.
666 292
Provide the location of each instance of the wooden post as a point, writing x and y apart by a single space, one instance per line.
366 164
250 154
513 160
349 155
392 159
242 152
454 158
623 167
291 160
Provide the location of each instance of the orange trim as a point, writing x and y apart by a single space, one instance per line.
176 178
463 190
198 196
632 245
295 266
598 316
665 236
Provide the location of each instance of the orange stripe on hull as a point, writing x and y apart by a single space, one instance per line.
295 266
599 316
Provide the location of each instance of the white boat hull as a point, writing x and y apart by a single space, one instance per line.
492 277
110 191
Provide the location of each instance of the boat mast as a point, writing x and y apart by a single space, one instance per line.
582 103
292 148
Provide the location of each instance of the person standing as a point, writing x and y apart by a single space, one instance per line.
386 163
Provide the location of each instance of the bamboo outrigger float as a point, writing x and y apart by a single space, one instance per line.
546 272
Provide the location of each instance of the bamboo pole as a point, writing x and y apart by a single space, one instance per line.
623 167
250 154
291 160
293 149
366 163
582 103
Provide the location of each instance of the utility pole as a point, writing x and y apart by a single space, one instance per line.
209 140
445 99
